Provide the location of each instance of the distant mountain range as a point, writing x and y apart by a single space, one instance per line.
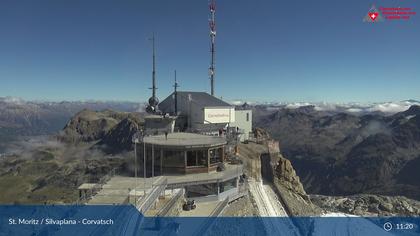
385 108
340 153
27 118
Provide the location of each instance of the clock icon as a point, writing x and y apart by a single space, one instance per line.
387 226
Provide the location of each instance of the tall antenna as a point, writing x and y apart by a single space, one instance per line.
154 67
153 101
212 24
176 95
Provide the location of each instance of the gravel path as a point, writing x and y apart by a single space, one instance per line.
269 206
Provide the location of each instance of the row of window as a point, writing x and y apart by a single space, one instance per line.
194 157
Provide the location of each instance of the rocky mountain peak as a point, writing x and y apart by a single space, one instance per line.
119 137
413 110
287 176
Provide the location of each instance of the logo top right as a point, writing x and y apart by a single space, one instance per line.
373 15
388 13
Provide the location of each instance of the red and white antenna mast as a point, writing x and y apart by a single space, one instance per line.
212 24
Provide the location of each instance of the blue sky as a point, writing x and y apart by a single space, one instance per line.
266 50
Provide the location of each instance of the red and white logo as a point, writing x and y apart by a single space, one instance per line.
373 15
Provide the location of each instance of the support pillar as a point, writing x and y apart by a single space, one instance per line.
153 161
185 162
222 155
161 162
196 158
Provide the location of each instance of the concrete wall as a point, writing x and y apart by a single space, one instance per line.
253 167
220 197
243 120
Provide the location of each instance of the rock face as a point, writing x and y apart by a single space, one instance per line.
119 138
286 175
369 205
261 133
111 130
345 154
288 186
262 160
88 126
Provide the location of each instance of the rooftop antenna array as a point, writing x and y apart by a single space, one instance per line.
153 100
212 24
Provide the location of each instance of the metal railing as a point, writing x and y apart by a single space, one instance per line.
227 174
219 208
171 203
99 185
147 201
242 192
212 218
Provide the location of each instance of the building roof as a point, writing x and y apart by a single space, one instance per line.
201 98
187 140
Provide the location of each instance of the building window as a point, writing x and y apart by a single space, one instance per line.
202 158
173 159
196 158
191 158
215 155
247 117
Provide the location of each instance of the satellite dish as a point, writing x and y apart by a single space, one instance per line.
153 101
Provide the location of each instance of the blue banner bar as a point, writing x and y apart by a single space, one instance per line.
126 220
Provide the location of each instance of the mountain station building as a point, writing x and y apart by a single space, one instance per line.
201 112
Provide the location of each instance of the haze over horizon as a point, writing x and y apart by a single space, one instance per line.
99 50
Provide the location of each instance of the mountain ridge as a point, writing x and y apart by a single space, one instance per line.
345 154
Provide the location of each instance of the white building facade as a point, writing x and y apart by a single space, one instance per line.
199 111
243 120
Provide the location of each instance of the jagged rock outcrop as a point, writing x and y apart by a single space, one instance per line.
291 191
286 175
261 133
264 162
89 126
369 205
119 138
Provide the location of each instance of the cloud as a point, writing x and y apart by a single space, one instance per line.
28 144
298 104
357 108
354 110
392 107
